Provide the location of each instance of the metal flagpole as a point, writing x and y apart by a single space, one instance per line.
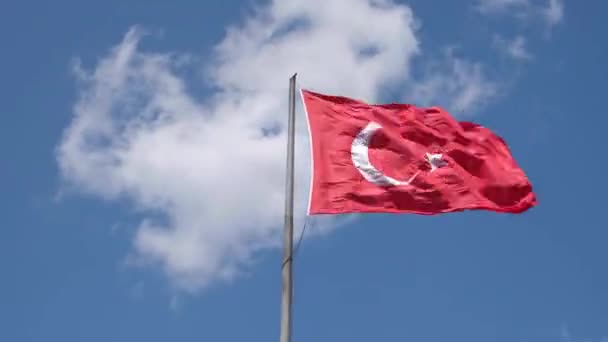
286 268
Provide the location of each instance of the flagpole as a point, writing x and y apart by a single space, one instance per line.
286 269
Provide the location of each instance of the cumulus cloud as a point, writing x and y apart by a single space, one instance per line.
515 48
207 172
566 336
454 83
553 12
488 6
550 11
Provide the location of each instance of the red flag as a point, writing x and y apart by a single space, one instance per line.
399 158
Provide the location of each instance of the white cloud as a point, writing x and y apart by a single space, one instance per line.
515 48
566 336
564 333
459 85
488 6
554 12
551 13
208 182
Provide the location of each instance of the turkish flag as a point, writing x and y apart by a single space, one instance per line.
399 158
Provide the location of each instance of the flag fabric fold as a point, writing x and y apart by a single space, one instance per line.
399 158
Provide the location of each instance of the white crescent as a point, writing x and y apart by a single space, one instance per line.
360 157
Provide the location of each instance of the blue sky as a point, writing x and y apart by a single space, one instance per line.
142 200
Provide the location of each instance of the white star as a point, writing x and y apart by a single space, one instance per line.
435 160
